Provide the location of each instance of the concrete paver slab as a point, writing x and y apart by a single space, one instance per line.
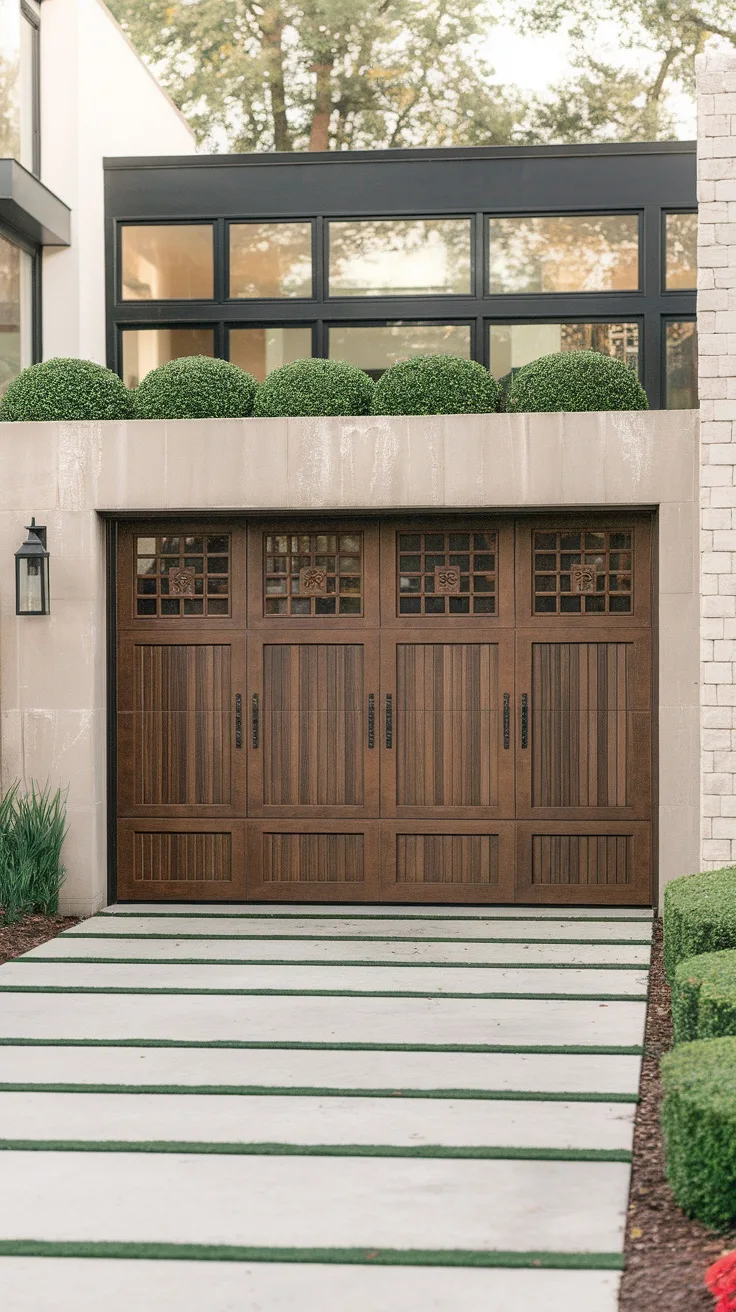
72 1285
294 1068
300 1019
376 911
366 979
326 950
539 931
408 1123
314 1201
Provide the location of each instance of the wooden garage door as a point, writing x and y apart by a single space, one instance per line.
430 710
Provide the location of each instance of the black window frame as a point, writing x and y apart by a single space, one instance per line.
30 16
240 327
229 299
673 318
15 239
638 213
370 298
664 289
209 222
638 319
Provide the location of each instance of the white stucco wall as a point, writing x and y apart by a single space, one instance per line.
97 99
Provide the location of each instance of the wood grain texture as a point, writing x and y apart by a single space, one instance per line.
310 858
465 859
183 858
581 859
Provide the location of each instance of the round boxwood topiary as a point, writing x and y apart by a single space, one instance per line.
699 915
576 380
436 385
704 997
61 389
314 387
699 1123
195 387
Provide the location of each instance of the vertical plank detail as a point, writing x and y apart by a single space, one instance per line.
583 859
313 858
182 857
447 859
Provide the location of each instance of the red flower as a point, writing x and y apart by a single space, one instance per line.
720 1279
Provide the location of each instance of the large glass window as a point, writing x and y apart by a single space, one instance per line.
564 253
167 262
681 364
681 252
146 348
517 344
400 257
16 311
259 350
270 260
378 346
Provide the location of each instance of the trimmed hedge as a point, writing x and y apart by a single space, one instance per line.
699 1123
61 389
699 915
575 381
195 387
314 387
436 385
704 997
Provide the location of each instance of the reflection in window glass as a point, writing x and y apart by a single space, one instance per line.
10 19
377 347
270 259
259 350
16 311
681 243
400 257
517 344
167 262
27 91
681 365
146 348
564 253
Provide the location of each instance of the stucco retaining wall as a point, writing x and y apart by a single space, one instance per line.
53 669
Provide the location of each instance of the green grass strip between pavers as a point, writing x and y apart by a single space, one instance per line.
432 1151
287 961
361 938
309 1091
454 1257
321 993
288 1045
345 915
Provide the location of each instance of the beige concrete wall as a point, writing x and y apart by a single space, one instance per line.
52 670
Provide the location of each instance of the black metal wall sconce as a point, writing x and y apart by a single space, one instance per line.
32 573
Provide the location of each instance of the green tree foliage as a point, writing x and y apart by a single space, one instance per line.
325 74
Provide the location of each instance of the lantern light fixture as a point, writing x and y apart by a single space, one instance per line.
32 573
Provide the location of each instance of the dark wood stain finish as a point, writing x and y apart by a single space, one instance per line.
435 710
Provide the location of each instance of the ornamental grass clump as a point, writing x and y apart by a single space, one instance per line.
704 997
699 915
32 830
314 387
575 381
66 390
195 387
699 1125
436 385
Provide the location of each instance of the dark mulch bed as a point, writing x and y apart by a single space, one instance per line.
666 1254
29 932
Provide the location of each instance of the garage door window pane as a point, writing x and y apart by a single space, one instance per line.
400 257
377 347
146 348
270 260
564 253
259 350
167 262
681 241
681 369
517 344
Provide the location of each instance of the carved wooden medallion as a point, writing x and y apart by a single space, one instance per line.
181 581
446 579
312 581
583 578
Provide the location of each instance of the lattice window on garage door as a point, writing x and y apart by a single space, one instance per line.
583 572
313 574
446 573
183 575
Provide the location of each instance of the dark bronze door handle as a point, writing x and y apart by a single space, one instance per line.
524 720
238 720
254 720
506 721
371 720
389 720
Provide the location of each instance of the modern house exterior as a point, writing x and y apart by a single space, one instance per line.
73 90
426 659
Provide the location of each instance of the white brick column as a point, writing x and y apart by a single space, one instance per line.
716 92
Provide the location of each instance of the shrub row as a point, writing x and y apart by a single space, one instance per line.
198 387
699 1075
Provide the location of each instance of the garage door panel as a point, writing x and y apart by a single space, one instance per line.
313 861
606 863
470 861
181 861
